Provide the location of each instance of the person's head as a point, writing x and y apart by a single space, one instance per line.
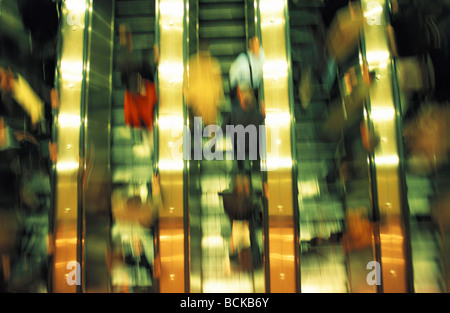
135 83
254 45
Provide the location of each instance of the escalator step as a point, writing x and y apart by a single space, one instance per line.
305 4
218 12
135 8
315 151
138 24
226 30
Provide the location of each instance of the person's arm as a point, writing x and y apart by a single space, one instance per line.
237 75
3 133
26 97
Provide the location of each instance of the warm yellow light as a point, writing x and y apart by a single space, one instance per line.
271 7
378 59
274 163
213 242
76 6
277 118
373 11
69 120
166 122
171 72
67 166
171 165
72 70
172 9
382 114
387 160
275 69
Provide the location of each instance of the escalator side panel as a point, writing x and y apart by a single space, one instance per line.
67 215
281 234
394 236
172 235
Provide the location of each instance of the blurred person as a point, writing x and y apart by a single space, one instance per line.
344 22
247 105
137 75
359 233
244 213
27 109
130 61
139 105
347 110
20 91
247 70
203 87
134 219
28 199
427 139
246 113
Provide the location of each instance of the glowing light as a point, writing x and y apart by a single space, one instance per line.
278 163
275 69
278 118
373 11
166 122
72 70
172 9
271 7
69 120
309 188
67 166
171 165
213 242
76 6
387 160
382 114
171 71
378 59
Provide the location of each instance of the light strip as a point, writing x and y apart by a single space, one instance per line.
69 120
382 114
278 118
76 6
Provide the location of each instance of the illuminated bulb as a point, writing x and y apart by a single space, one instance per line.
382 114
76 6
68 166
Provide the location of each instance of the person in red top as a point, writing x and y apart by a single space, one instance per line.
139 103
140 94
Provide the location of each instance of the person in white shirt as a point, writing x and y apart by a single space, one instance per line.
250 62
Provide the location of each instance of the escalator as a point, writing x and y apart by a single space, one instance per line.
132 160
320 198
225 27
194 220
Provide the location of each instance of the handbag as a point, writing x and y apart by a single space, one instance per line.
238 203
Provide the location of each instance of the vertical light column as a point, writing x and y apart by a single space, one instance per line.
171 163
281 232
66 271
393 234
